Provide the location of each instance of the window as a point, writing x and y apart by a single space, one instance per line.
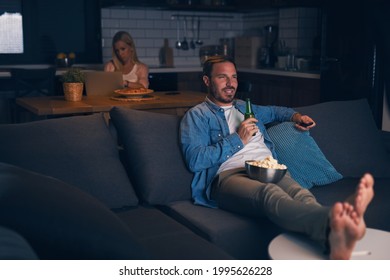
46 28
11 27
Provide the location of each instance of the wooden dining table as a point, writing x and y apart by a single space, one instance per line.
168 102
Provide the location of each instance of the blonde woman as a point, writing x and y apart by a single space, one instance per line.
124 59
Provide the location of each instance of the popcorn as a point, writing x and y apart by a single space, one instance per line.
268 162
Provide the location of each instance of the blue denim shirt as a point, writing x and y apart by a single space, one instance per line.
206 142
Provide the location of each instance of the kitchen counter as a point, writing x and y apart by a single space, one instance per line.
176 69
278 72
5 73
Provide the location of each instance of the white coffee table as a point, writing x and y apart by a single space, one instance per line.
375 245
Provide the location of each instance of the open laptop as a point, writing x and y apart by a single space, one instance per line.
102 83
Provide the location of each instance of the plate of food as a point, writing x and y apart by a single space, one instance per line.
133 91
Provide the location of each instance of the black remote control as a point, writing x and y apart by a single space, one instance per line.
305 124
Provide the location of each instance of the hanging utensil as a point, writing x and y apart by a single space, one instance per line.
184 43
198 41
178 43
192 43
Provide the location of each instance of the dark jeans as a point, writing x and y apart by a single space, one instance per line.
286 203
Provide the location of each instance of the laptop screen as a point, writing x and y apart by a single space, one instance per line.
102 83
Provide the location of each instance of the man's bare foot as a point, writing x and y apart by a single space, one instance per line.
362 198
364 194
344 231
347 224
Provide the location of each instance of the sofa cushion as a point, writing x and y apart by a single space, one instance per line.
154 159
60 221
164 238
305 161
348 137
78 150
240 236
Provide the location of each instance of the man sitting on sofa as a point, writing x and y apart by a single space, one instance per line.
216 141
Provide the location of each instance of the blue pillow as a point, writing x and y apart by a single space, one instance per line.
304 159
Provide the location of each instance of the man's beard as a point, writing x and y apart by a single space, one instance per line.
222 98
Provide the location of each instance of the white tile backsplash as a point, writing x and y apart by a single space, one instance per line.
119 13
150 27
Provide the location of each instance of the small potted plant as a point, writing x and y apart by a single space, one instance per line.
73 84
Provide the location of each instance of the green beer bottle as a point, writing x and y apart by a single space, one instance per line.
248 111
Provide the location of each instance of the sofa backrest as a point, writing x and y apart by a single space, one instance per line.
81 151
345 133
77 150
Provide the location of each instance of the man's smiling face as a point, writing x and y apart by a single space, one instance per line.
222 84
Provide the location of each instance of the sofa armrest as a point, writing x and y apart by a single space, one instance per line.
339 130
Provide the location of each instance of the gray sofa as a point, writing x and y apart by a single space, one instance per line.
75 188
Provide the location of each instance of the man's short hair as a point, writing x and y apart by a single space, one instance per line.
209 63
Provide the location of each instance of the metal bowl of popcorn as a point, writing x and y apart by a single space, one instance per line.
266 171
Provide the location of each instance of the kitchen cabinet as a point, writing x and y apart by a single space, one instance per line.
190 81
163 81
282 90
250 5
176 81
234 6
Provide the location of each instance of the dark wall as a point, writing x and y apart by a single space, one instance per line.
50 27
355 53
